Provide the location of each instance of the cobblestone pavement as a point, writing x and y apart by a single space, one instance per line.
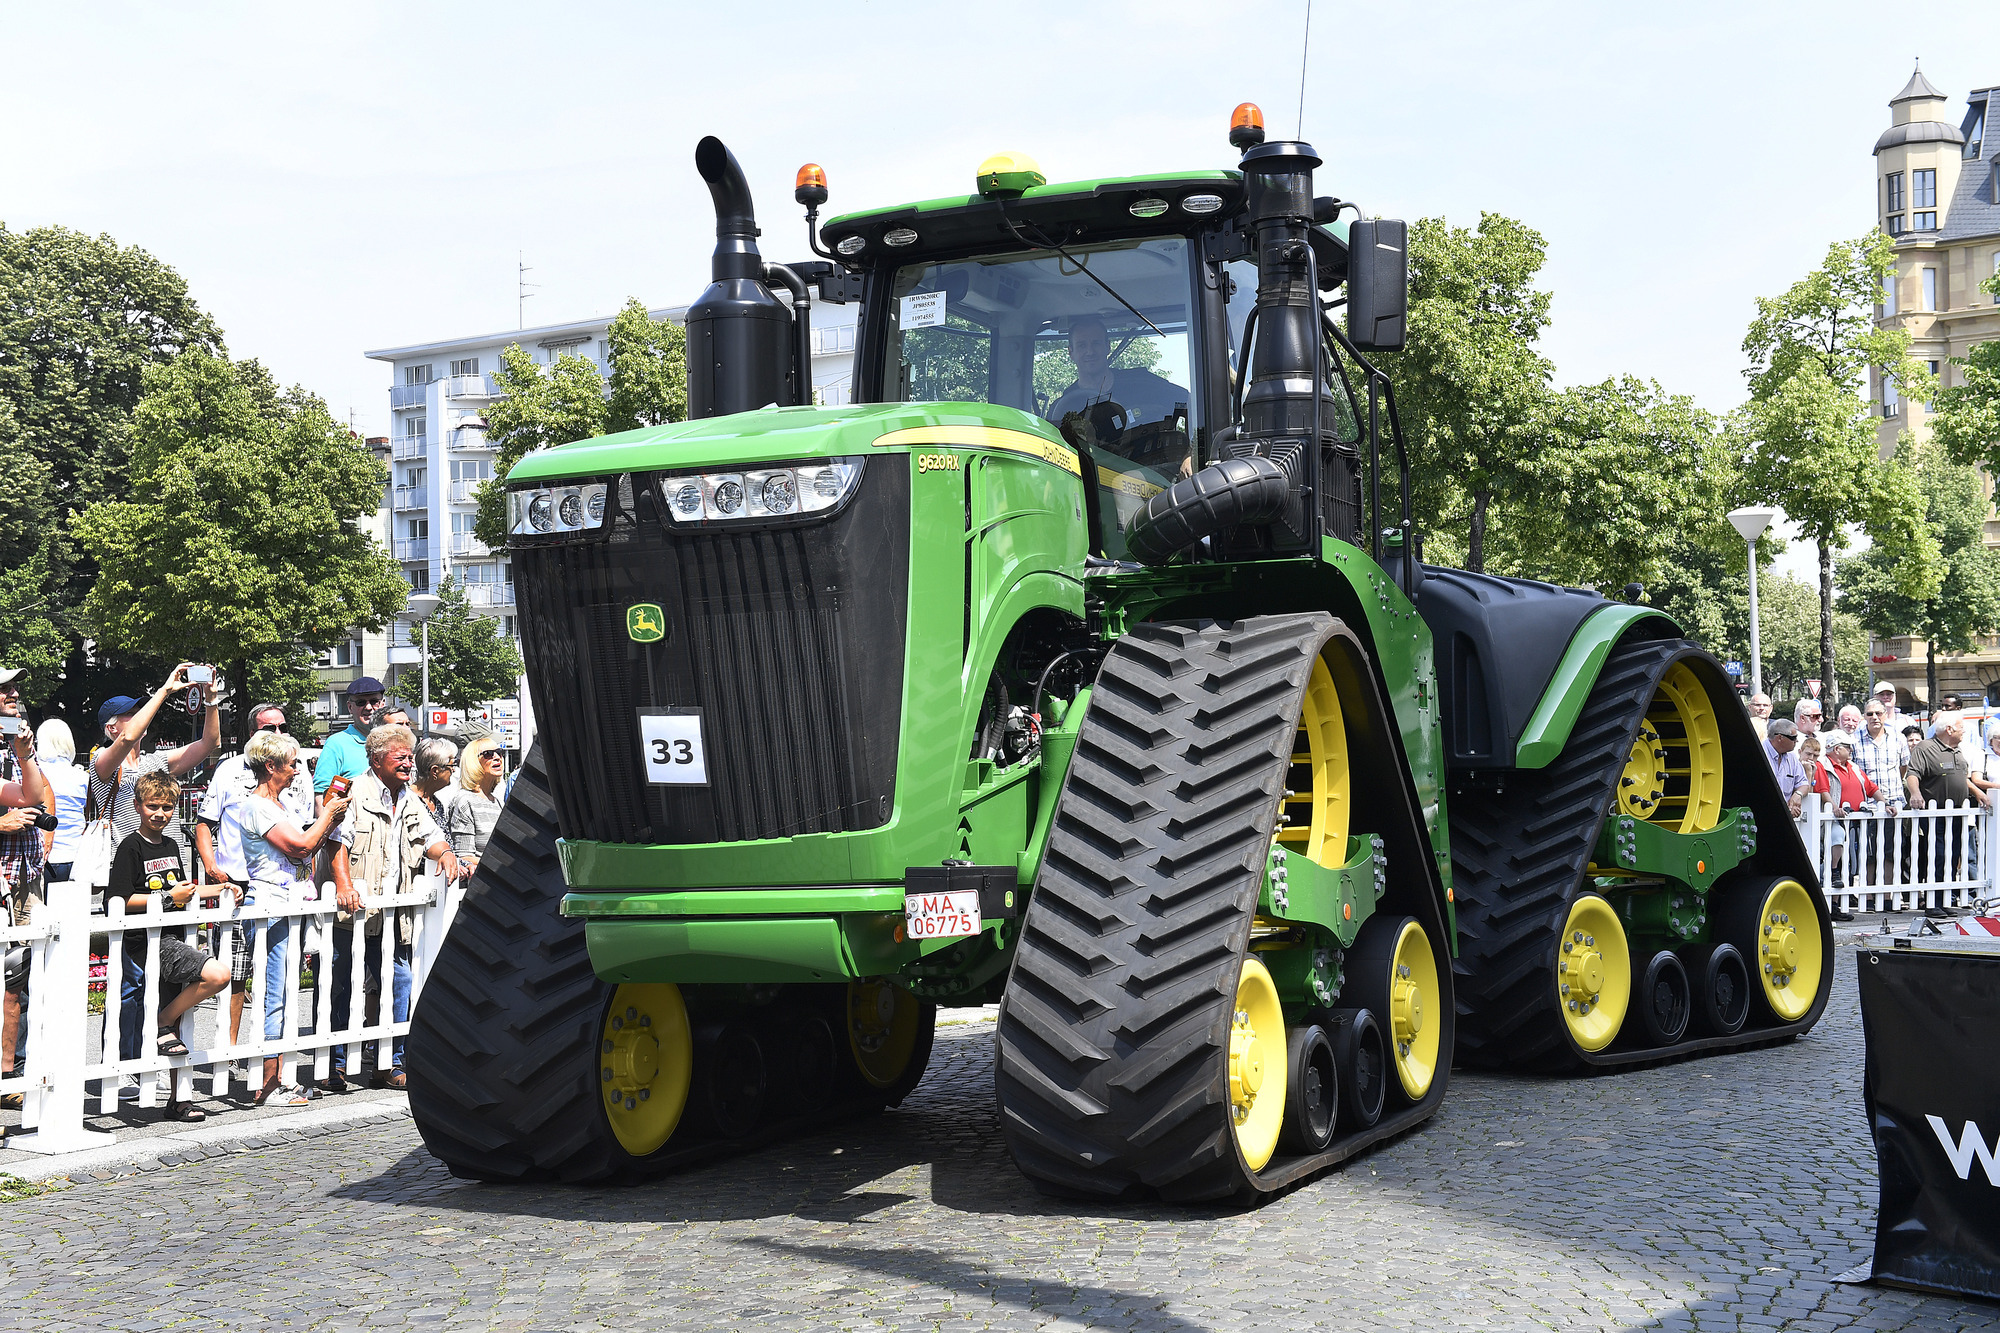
1720 1193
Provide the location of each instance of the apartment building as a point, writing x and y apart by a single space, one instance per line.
1937 193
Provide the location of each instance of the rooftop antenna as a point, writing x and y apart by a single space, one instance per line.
1305 44
522 294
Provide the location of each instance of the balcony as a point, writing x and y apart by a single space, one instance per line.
472 386
412 446
471 440
466 492
414 548
413 497
489 594
465 544
409 395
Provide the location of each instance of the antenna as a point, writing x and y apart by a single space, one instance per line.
1305 44
522 294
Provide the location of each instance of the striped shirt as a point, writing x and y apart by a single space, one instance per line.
1883 761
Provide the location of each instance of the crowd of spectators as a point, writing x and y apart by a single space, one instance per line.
376 810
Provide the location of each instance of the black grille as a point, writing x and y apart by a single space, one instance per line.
788 639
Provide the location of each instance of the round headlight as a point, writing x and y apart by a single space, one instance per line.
1147 208
594 506
826 485
570 510
687 500
542 512
900 236
851 245
1201 203
780 493
729 496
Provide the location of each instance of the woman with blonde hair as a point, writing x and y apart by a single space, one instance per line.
475 809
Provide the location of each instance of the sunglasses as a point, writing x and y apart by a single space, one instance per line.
272 726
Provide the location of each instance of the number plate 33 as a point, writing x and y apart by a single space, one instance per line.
670 746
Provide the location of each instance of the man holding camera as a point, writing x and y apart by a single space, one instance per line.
23 813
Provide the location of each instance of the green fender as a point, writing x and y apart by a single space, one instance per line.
1575 676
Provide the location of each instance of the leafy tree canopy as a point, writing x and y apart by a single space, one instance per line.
470 662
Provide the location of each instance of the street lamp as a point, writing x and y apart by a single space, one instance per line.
423 605
1750 523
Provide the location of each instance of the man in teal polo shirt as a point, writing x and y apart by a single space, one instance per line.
345 755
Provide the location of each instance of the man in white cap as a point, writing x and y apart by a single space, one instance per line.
1892 716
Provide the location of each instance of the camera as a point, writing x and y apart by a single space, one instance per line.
201 675
338 787
46 822
11 726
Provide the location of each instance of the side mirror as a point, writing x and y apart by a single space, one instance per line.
1378 284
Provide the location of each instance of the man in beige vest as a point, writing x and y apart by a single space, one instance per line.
381 847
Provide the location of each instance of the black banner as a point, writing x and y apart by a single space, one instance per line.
1933 1090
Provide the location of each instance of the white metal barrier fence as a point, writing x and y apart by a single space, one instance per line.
57 1082
1871 861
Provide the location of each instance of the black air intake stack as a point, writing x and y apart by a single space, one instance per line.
1284 367
745 349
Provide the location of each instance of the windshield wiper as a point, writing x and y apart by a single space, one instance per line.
1046 244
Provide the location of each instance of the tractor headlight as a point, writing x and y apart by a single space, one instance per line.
556 510
794 491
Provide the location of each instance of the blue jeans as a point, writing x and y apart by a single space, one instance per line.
278 930
371 963
131 1007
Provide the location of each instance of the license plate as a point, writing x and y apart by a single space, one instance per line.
942 916
670 743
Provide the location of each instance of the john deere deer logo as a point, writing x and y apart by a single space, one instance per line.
646 622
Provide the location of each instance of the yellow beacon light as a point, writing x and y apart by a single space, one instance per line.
1006 174
1246 126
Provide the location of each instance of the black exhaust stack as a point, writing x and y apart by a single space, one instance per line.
745 349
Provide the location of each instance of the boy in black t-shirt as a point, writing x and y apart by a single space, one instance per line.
146 866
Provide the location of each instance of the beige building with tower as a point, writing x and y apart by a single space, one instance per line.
1937 192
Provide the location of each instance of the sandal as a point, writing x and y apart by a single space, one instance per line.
12 1101
187 1112
170 1043
284 1094
336 1082
393 1079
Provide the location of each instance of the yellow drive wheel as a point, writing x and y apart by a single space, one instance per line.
1319 795
882 1022
645 1061
1787 954
1416 1011
1673 773
1257 1070
1593 973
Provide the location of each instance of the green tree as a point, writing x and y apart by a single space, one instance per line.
1473 391
1788 612
470 662
81 318
285 676
239 535
1967 604
648 370
1812 441
1632 467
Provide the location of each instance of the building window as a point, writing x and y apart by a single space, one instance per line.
1893 185
1889 294
1923 222
416 476
472 469
1923 188
1930 289
1891 405
507 627
418 374
462 523
1895 226
420 528
1996 259
416 427
469 366
420 579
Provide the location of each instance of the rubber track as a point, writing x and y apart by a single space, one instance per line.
500 1086
1115 1022
1518 856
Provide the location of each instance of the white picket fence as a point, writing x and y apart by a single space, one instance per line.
1916 859
56 1082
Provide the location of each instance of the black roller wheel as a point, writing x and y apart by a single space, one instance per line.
728 1096
1312 1102
1721 984
1363 1058
1663 999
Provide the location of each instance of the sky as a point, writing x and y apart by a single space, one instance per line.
334 179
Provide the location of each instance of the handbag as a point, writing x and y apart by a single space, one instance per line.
96 844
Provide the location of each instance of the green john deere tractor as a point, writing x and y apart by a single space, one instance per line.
1080 665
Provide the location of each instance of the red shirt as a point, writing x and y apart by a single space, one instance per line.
1855 786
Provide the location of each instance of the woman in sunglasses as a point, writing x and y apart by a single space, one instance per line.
475 806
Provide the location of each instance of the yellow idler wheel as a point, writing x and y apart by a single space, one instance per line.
1787 955
1593 973
645 1062
1416 1011
1318 787
1257 1069
882 1022
1673 775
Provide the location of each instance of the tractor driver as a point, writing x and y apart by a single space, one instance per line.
1147 398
